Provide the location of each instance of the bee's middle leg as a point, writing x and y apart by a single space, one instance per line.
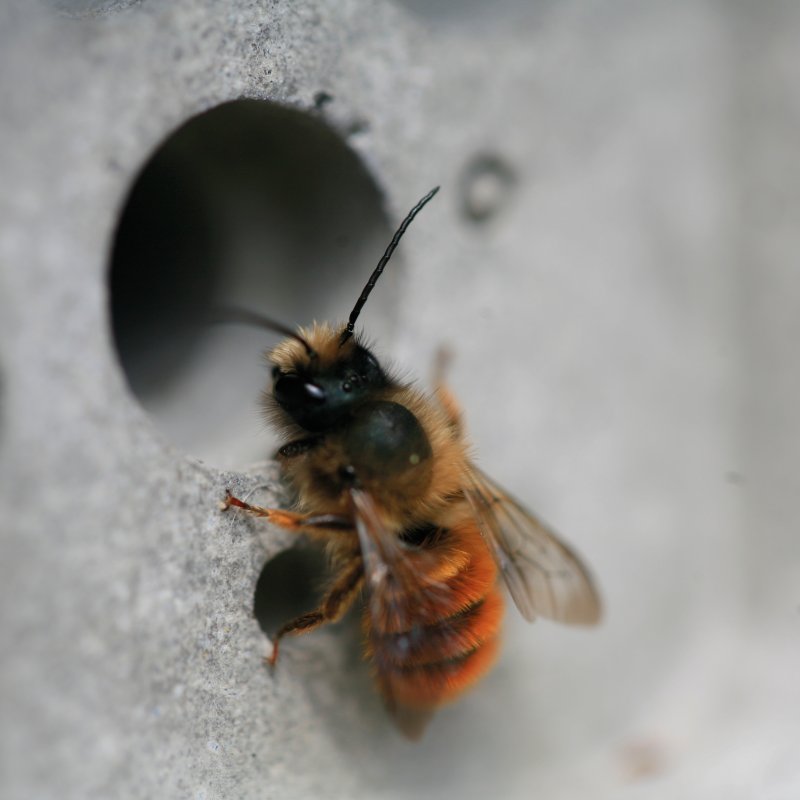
333 607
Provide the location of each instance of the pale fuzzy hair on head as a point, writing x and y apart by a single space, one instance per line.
323 338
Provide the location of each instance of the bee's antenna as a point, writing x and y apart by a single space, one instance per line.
247 317
373 279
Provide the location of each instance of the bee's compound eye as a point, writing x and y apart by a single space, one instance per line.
292 391
276 371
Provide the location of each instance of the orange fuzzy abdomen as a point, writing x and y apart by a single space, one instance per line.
442 635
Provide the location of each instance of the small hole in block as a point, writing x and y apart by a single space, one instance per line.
290 584
487 183
251 205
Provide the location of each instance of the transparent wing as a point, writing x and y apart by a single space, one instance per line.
405 591
403 582
544 575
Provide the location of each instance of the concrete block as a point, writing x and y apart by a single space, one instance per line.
611 260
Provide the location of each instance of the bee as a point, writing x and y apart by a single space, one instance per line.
383 475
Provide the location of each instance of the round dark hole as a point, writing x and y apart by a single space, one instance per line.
290 584
250 205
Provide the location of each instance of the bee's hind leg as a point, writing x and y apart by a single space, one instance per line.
333 607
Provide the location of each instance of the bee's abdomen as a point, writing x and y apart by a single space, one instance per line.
446 635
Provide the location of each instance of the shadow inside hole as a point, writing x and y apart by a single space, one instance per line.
251 205
164 272
291 583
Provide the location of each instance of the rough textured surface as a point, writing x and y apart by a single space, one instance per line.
613 261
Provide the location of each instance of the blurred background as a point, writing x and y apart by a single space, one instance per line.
611 260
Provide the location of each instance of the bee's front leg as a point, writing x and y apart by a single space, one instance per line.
289 520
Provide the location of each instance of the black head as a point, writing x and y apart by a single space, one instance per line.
321 390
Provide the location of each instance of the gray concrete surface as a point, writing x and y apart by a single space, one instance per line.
613 261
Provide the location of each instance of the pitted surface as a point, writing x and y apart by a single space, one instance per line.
624 325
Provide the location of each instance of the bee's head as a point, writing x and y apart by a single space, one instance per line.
318 379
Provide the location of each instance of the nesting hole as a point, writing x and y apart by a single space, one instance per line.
252 205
